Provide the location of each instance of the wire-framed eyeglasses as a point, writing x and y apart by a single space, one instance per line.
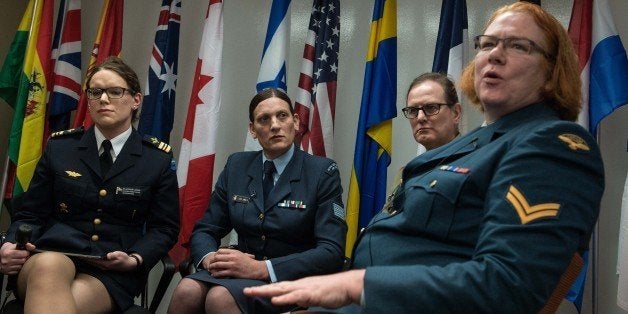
112 92
517 45
428 110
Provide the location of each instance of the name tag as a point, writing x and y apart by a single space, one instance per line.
241 199
128 191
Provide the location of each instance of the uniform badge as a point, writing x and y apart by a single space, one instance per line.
574 142
292 204
73 174
339 211
331 169
528 213
173 164
241 199
63 208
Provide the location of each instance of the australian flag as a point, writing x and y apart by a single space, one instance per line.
157 113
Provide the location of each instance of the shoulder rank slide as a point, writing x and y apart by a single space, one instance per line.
157 143
67 132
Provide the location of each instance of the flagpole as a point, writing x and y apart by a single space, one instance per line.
5 170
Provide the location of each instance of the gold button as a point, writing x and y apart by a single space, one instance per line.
263 238
97 221
102 193
265 257
433 183
261 216
95 237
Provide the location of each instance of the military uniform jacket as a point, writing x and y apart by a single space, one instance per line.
301 229
73 207
487 223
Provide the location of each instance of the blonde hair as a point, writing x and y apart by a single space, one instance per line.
563 86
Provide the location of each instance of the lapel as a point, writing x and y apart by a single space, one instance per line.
130 153
88 151
255 173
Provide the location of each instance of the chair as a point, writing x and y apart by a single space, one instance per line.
565 282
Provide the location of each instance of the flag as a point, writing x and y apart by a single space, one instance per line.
198 147
604 75
108 43
452 44
66 58
315 102
157 114
273 67
602 60
622 256
24 81
373 146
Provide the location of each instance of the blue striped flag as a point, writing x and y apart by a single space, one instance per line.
373 146
272 72
452 48
273 67
157 114
66 58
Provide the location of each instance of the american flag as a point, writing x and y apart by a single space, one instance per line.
316 96
157 114
66 58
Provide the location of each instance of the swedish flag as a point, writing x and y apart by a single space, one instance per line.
373 146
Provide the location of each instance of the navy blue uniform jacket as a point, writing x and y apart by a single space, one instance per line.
72 207
301 238
487 223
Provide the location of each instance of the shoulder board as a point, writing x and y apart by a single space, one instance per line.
78 130
157 143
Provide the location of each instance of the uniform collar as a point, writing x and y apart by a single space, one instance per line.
116 143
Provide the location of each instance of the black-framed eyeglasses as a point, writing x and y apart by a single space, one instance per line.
112 92
516 45
428 110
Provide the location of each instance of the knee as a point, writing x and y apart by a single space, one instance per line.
49 264
219 297
188 292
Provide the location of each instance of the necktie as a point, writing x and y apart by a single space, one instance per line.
268 183
105 158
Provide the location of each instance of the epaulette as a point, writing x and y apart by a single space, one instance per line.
157 143
78 130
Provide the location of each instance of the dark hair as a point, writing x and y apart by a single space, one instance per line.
449 88
117 65
563 75
265 94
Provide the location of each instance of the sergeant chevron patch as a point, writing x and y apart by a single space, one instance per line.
529 213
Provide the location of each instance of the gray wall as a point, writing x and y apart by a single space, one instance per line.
244 30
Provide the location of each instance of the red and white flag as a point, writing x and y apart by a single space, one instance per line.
108 43
198 147
315 102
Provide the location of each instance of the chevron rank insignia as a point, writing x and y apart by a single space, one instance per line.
73 174
528 213
574 142
159 144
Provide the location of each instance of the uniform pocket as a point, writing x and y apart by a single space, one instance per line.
132 202
430 201
70 193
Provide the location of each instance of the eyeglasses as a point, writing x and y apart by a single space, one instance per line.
112 92
522 46
428 110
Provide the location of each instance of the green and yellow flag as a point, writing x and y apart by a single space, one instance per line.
23 85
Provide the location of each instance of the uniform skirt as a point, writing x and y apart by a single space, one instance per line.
236 286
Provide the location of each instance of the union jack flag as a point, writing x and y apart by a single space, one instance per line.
66 58
157 113
315 102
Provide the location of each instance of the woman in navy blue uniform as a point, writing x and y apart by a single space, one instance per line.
117 201
297 230
489 222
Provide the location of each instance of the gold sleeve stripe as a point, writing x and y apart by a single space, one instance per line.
529 213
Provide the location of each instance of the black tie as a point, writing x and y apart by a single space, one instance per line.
105 158
268 183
